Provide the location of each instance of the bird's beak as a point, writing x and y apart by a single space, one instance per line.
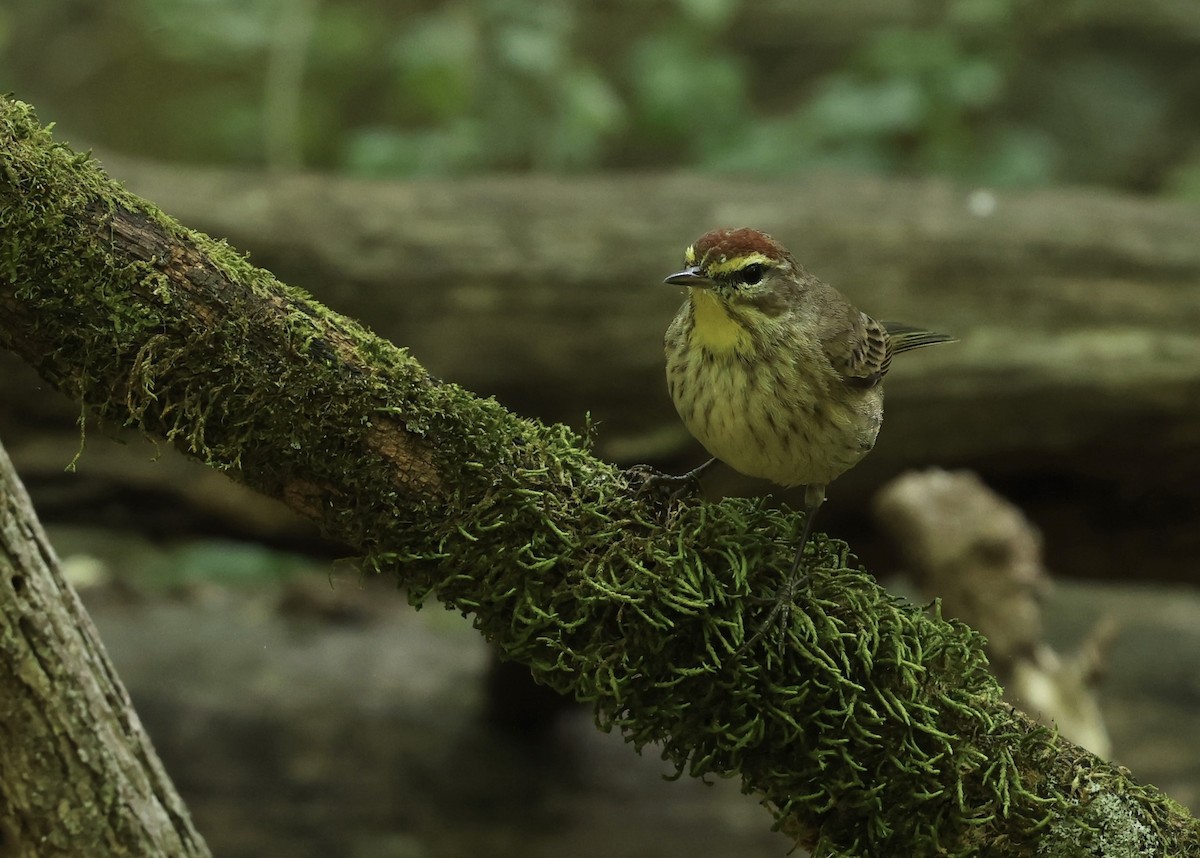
692 276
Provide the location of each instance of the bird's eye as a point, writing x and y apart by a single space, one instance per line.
751 274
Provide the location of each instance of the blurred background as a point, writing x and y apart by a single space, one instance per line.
501 185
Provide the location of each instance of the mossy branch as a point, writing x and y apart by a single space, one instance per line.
874 730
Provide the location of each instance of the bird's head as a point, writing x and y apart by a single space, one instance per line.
740 267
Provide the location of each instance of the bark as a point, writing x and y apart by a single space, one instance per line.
78 775
867 727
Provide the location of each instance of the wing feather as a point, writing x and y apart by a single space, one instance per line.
861 351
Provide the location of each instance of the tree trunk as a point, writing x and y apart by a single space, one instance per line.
78 775
868 727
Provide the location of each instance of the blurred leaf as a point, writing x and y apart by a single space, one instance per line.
382 152
227 562
909 52
590 113
712 15
986 15
681 90
848 108
536 51
437 59
210 32
344 40
233 128
773 146
974 83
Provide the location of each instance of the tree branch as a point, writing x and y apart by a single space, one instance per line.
874 730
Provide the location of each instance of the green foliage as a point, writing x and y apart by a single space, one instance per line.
486 85
209 32
233 564
914 101
688 101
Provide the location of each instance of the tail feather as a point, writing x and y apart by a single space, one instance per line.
907 337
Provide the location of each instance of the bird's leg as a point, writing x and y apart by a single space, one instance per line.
785 594
673 486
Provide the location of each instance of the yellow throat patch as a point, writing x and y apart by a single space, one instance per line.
714 328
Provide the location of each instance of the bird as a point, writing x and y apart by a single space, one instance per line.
776 373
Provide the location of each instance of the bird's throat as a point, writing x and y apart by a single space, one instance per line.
714 328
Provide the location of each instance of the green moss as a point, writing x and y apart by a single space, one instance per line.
874 724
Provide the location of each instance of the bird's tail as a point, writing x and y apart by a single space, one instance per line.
906 337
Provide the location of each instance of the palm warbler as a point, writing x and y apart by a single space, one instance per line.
775 372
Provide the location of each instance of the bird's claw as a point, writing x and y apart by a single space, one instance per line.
671 487
780 615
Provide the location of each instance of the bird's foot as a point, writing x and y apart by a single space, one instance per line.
794 581
667 485
783 602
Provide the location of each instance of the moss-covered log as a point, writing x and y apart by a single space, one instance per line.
874 729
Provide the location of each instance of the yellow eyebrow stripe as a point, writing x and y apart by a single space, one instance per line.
737 263
689 255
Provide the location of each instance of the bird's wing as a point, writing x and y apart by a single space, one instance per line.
859 350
